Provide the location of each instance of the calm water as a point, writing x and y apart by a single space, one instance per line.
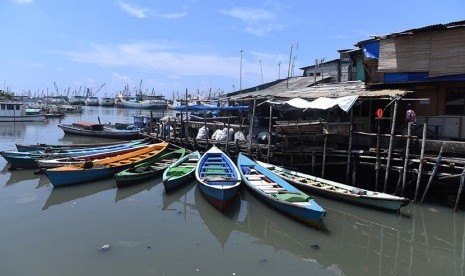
47 231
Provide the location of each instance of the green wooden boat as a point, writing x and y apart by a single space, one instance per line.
147 170
180 171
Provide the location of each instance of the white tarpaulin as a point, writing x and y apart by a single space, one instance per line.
345 103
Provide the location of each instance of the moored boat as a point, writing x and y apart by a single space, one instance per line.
77 160
279 193
56 147
100 130
218 178
16 112
147 170
103 168
27 160
338 191
180 171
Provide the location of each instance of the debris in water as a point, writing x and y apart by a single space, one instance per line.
149 247
315 246
263 261
105 247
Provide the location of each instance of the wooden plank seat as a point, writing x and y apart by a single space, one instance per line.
254 176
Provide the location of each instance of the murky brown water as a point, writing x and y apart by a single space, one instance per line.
47 231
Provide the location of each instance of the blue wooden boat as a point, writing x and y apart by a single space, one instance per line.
339 191
180 171
279 193
108 167
28 160
57 147
218 178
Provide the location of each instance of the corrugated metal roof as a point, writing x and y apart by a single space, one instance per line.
298 89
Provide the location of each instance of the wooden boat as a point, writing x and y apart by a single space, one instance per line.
108 167
218 178
279 193
58 147
180 171
77 160
100 130
146 170
339 191
28 160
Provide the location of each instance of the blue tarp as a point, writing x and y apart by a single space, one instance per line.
403 77
371 49
211 108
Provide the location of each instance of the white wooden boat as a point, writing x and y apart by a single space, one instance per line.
336 190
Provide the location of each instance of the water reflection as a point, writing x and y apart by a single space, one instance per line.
17 176
219 224
178 195
126 192
64 194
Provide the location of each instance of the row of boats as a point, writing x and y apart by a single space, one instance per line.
218 177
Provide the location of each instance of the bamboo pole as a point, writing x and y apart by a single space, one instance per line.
323 162
459 193
378 161
422 160
206 129
391 144
187 123
407 152
269 134
433 173
349 150
227 138
249 150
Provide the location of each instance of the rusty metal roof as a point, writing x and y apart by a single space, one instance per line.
298 87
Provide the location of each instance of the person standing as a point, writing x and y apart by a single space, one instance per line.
410 117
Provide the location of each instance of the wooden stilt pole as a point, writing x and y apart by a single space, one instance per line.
422 160
206 129
349 150
433 174
407 152
227 138
181 129
269 134
187 123
459 193
391 144
249 150
323 162
378 161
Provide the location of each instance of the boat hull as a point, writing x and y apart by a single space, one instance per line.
218 178
278 193
65 178
147 170
181 171
105 133
339 191
25 118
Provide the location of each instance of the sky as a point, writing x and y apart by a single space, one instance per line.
204 47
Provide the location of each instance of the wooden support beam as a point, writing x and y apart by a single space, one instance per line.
435 169
422 159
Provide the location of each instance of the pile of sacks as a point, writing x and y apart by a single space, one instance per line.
221 134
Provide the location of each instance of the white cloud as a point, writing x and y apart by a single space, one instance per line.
256 21
23 2
140 12
250 14
161 57
170 15
133 10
